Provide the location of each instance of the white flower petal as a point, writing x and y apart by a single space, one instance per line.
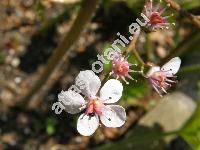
88 82
111 92
72 101
87 125
113 116
152 70
172 66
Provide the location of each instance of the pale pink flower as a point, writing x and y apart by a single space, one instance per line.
121 68
162 78
95 107
155 15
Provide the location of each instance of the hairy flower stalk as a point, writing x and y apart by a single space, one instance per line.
156 17
94 107
162 78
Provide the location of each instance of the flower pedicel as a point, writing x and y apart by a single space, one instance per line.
95 107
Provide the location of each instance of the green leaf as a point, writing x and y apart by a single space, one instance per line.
191 131
135 89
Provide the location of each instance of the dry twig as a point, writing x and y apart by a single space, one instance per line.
194 19
82 19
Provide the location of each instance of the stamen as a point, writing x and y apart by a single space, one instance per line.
157 90
162 11
111 73
117 77
173 24
142 73
166 17
157 7
126 58
168 84
133 71
82 107
151 6
123 78
163 89
131 78
132 64
145 7
164 24
168 80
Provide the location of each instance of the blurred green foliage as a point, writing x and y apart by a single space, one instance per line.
2 57
39 9
191 131
135 89
189 4
50 125
140 138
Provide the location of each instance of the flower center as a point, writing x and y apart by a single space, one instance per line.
121 68
159 78
94 107
156 18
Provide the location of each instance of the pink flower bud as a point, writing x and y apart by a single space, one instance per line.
155 15
121 68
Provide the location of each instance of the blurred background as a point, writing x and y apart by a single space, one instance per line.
30 33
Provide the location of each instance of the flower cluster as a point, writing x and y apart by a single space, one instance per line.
98 105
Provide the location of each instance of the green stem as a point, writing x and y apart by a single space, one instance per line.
88 8
132 48
137 56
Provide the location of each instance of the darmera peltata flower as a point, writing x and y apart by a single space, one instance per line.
121 68
94 107
161 78
155 15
